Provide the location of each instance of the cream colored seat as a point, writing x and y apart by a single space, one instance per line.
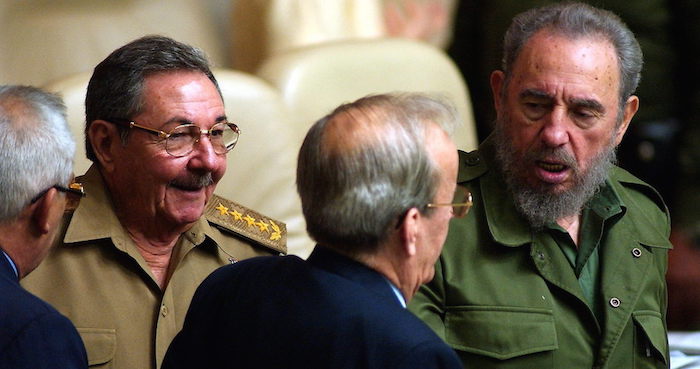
73 89
315 79
261 168
42 41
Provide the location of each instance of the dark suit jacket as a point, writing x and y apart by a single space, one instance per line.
283 312
33 335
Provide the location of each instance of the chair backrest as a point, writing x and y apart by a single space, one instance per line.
261 169
42 41
73 89
315 79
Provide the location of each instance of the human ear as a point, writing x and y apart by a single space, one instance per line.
41 211
497 80
408 231
631 107
104 137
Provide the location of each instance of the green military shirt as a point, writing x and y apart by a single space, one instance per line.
585 257
506 296
97 278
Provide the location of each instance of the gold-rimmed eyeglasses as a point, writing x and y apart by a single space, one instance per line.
181 139
75 189
461 202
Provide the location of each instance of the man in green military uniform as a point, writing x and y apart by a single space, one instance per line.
150 230
562 262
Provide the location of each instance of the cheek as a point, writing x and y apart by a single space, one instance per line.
591 146
220 169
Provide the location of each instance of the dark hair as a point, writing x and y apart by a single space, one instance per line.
115 89
576 20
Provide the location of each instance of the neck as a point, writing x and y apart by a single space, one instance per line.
396 274
157 255
18 245
571 225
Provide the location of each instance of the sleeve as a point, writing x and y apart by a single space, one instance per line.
429 303
47 342
432 355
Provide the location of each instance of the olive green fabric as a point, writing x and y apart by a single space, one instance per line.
98 279
505 296
585 257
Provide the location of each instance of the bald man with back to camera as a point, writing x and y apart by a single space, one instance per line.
377 182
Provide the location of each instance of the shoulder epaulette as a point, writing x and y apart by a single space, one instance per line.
72 203
628 180
235 218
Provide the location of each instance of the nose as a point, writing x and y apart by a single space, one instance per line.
554 132
203 156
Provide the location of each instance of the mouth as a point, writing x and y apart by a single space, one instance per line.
552 172
552 167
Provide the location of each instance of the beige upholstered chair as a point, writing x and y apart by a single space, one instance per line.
42 41
315 79
73 89
261 168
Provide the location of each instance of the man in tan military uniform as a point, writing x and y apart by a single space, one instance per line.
150 230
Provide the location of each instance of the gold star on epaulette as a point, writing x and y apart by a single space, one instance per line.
236 215
250 220
262 226
222 209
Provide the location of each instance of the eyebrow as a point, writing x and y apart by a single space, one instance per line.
184 121
531 92
588 103
578 102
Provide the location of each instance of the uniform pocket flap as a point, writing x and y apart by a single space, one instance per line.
653 326
100 344
500 332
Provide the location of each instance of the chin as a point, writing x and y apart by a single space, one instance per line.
186 214
429 276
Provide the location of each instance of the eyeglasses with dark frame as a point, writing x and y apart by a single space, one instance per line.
74 188
181 139
461 204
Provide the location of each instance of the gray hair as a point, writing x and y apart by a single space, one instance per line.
577 20
115 89
354 190
36 146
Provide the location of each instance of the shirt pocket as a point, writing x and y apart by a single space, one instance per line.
650 340
100 345
502 334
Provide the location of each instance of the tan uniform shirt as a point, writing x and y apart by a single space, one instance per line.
96 277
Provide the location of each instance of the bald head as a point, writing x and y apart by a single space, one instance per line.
365 164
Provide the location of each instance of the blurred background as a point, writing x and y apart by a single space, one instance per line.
44 41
